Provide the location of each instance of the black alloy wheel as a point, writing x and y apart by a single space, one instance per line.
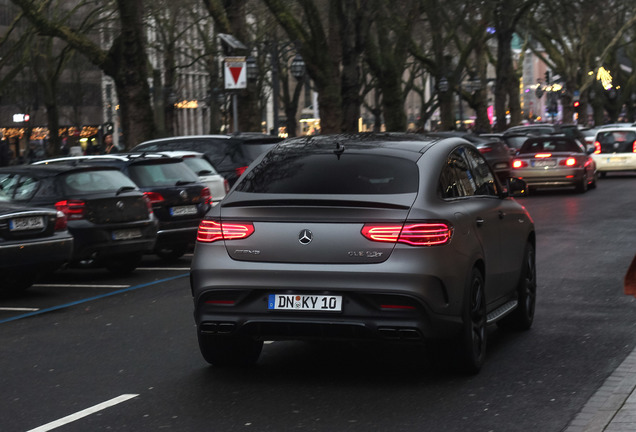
475 333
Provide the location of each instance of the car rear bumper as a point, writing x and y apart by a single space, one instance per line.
615 162
415 300
96 242
53 251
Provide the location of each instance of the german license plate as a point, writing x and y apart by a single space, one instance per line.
617 160
183 210
126 234
305 302
26 223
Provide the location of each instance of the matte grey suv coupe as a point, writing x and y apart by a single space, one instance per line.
388 237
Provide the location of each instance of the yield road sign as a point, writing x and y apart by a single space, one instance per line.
235 73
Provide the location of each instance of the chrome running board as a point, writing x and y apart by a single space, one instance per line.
501 311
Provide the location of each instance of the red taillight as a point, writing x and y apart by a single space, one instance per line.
153 197
206 196
60 221
226 185
597 147
148 203
519 163
211 231
240 170
420 234
72 209
570 162
485 149
634 147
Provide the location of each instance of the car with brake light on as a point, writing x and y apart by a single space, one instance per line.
615 149
555 161
229 154
401 238
109 218
177 198
33 242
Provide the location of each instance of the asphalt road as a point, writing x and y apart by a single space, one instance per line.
87 351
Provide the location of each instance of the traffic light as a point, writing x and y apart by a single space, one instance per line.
576 104
547 77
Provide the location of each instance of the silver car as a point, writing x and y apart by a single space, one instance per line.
390 237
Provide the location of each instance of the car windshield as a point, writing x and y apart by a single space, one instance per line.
80 182
327 173
564 146
161 174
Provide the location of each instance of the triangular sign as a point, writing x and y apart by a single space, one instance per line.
236 72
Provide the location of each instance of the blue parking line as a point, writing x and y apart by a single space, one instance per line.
111 293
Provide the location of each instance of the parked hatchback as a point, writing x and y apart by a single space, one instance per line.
33 242
385 237
110 219
178 199
229 154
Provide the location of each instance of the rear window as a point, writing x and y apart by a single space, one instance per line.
329 174
82 182
161 174
608 138
218 150
566 146
199 165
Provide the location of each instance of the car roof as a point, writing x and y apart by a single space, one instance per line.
182 153
112 159
51 169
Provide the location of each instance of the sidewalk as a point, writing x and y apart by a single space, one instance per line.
613 407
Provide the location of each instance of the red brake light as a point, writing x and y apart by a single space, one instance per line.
543 155
634 147
211 231
597 147
60 221
72 209
517 163
240 170
485 149
419 234
568 162
153 197
206 196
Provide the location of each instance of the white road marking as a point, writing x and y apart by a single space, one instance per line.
80 414
46 285
19 309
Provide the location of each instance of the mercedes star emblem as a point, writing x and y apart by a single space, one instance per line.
305 236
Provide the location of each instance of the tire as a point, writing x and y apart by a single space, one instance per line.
227 351
474 337
523 316
171 253
581 187
124 264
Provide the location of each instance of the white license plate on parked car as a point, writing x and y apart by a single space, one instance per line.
26 223
183 210
126 234
544 163
304 302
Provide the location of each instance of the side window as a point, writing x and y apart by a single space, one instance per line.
484 178
25 188
8 183
457 179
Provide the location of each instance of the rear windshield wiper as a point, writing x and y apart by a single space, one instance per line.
125 189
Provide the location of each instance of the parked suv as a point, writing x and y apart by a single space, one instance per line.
230 154
178 199
110 219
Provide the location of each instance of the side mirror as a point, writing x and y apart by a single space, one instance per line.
516 187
